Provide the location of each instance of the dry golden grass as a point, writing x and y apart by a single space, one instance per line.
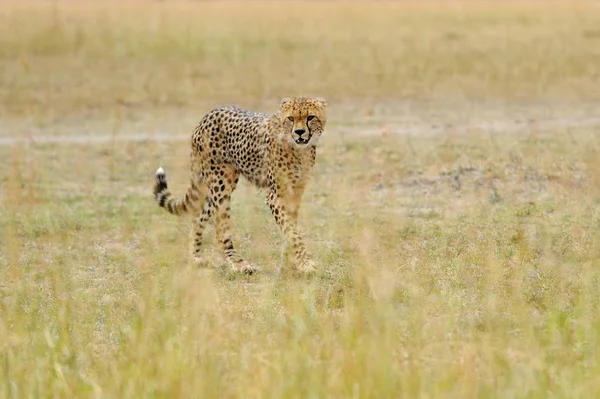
428 287
65 57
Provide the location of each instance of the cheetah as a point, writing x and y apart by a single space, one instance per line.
275 152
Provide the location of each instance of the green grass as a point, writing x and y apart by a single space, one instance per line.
490 291
424 290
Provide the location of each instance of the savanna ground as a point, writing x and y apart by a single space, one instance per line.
456 262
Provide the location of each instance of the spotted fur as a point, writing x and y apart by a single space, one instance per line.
275 152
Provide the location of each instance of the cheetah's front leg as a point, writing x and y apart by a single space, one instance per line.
285 212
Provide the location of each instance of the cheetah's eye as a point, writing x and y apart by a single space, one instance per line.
310 118
290 118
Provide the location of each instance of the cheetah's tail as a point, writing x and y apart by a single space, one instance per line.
191 203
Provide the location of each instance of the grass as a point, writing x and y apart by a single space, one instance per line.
66 57
452 264
425 291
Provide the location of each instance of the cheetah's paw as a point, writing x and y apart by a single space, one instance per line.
307 267
245 268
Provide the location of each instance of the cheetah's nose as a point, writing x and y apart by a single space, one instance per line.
299 132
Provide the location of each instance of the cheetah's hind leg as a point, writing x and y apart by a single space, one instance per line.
197 232
221 197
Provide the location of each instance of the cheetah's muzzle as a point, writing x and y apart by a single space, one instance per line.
302 141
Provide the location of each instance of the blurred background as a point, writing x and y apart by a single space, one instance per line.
388 60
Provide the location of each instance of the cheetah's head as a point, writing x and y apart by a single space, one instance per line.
304 118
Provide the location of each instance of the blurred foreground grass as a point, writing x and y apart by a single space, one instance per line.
430 288
64 57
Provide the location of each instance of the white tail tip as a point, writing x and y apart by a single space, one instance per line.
160 171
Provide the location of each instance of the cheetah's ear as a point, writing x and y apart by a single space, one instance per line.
321 101
285 102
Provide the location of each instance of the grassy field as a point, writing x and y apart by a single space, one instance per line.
459 264
83 56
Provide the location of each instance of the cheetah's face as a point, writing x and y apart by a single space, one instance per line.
303 119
